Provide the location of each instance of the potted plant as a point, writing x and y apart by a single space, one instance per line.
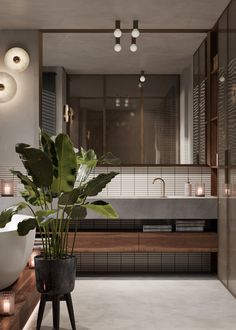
56 187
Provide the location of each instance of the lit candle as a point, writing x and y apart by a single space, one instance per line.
200 190
7 302
6 306
7 189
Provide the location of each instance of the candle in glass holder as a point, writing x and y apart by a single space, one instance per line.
34 253
7 187
200 190
7 303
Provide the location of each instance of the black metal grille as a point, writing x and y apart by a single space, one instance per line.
143 262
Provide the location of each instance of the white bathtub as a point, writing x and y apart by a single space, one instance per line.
14 251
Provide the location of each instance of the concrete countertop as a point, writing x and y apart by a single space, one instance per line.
173 207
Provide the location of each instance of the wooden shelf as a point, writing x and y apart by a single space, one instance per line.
145 242
26 298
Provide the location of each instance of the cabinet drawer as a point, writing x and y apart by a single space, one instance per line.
178 242
105 242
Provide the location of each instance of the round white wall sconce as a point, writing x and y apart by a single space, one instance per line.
8 87
17 59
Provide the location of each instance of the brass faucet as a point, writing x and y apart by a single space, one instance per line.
163 186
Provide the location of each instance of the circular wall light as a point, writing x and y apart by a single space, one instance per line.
17 59
7 87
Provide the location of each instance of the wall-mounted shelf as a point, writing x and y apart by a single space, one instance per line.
145 242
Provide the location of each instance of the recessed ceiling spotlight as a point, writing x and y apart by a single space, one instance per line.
135 32
117 47
117 31
142 77
133 46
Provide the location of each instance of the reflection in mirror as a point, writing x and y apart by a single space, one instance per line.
142 124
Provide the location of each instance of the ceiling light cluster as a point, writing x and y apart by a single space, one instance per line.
16 60
135 33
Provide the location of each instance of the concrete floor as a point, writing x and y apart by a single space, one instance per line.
147 303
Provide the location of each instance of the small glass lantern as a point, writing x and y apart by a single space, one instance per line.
7 188
200 190
34 253
7 303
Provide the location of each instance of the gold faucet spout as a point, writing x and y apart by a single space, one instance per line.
163 185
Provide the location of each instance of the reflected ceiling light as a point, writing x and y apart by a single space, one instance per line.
68 114
17 59
117 32
133 46
8 87
135 32
222 79
117 47
142 77
117 102
126 103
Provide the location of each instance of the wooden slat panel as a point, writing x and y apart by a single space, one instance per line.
178 242
105 241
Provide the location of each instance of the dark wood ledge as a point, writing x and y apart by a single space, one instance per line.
26 298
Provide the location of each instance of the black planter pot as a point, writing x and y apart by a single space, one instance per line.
55 276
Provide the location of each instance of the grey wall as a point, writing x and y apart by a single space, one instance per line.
19 118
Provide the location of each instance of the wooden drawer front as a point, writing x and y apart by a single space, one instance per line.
177 242
105 242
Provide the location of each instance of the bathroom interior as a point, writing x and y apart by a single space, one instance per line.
159 93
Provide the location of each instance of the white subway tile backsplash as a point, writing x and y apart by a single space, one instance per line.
137 181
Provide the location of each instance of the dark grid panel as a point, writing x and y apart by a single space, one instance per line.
143 262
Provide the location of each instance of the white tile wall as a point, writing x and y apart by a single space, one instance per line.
137 181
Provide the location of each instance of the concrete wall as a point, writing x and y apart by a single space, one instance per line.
186 115
19 118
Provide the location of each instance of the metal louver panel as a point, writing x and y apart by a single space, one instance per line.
49 111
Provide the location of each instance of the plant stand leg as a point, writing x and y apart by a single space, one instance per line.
70 310
41 311
56 311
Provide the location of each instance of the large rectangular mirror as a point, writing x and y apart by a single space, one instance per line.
95 95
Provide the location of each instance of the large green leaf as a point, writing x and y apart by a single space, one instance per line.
67 165
25 226
78 213
70 197
95 185
87 160
6 215
44 217
102 208
109 159
49 148
37 164
25 181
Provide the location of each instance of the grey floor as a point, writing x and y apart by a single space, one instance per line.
147 303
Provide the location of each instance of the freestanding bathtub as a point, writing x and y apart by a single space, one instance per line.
14 251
